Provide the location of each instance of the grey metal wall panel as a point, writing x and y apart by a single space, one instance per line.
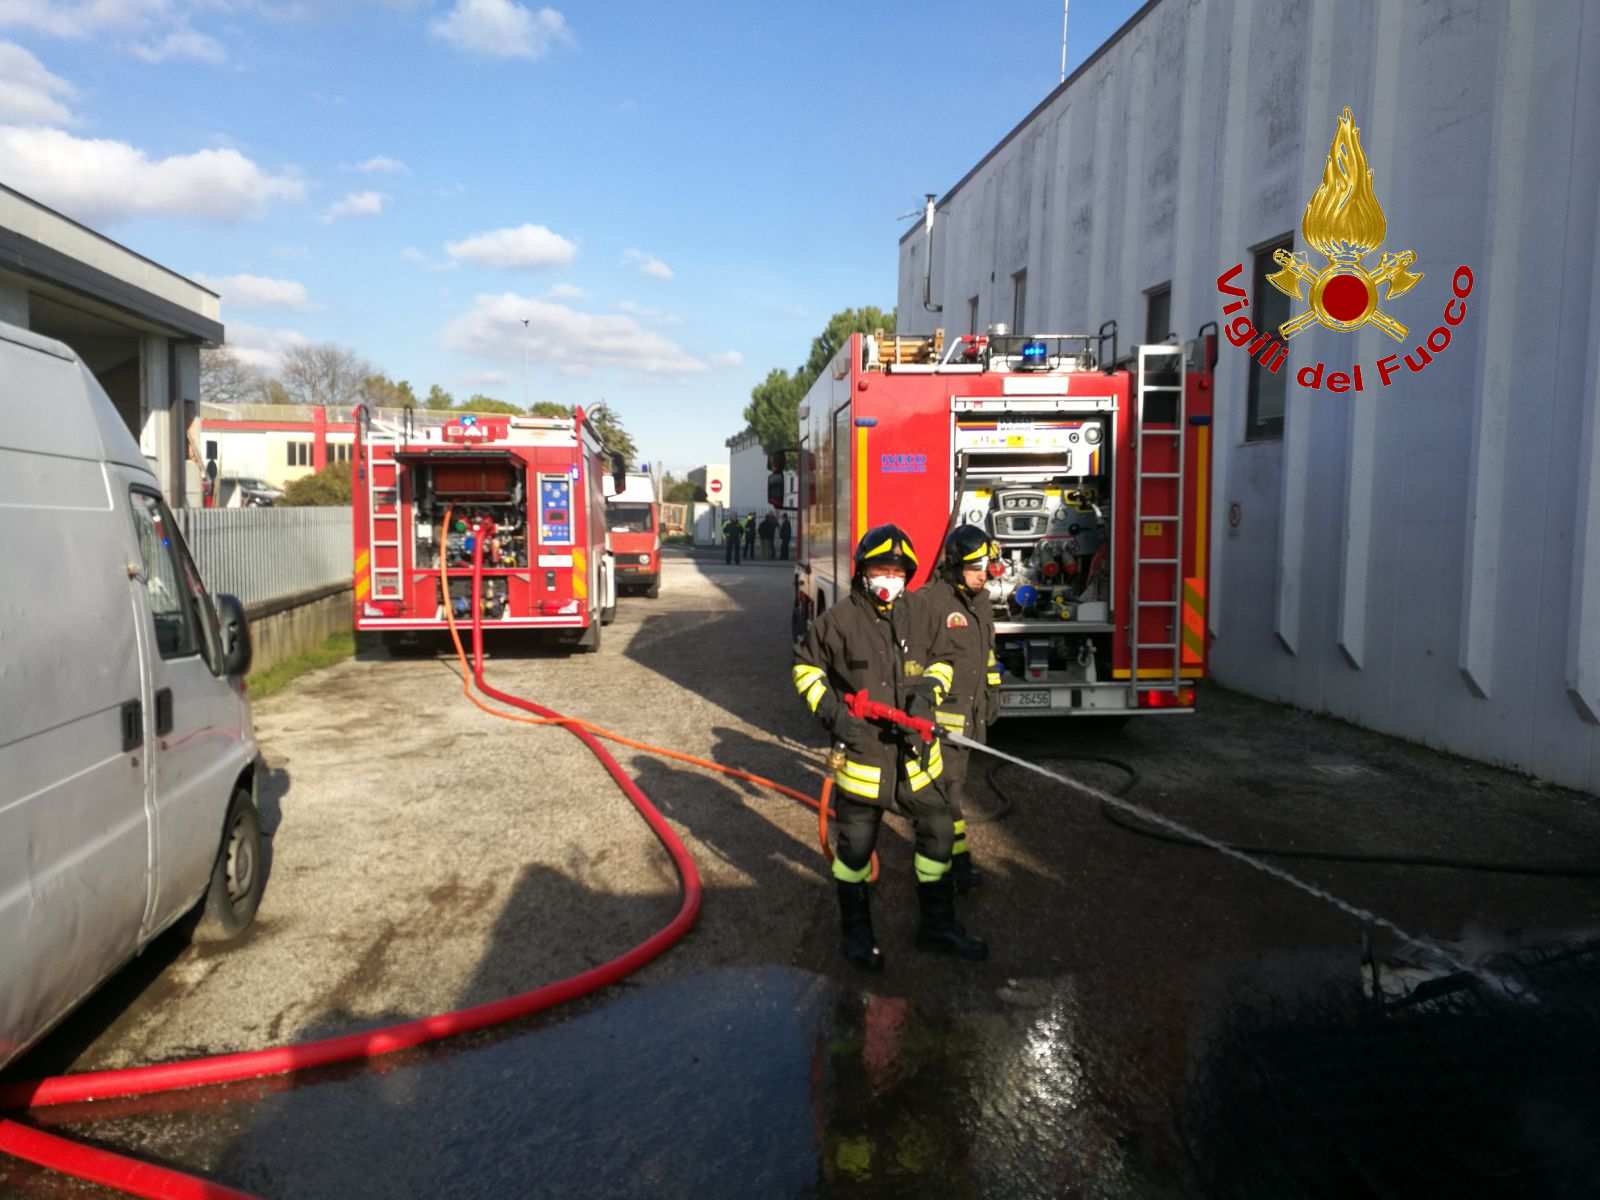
1423 559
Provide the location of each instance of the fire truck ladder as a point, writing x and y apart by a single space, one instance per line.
383 509
1143 438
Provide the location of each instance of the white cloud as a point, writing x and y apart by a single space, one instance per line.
501 28
648 264
644 312
573 342
80 19
29 93
182 44
483 379
529 246
565 291
261 347
727 358
257 290
356 204
381 165
103 180
412 255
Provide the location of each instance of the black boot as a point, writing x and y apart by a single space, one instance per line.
855 922
939 930
965 872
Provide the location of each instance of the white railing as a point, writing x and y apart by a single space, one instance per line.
264 554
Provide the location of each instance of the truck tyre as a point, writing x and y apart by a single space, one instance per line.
653 592
238 876
589 639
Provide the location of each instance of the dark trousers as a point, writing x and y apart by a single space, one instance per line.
730 550
857 826
784 542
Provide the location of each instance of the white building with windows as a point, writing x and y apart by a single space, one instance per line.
1420 557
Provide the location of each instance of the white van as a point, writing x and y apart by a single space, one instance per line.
127 758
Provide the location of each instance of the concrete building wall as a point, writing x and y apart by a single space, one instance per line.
747 475
1422 559
137 325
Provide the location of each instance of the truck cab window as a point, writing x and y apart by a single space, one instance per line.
629 518
169 590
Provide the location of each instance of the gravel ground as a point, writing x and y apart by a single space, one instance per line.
426 856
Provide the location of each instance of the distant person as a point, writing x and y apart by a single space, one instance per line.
769 532
750 536
785 532
732 536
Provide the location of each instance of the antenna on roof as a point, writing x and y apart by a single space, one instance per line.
1064 6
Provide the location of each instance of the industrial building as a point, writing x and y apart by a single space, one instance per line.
747 473
1420 556
137 325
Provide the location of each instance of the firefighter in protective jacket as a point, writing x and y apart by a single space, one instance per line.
955 609
872 641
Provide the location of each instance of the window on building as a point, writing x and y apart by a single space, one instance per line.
299 453
1158 313
1269 309
972 314
1019 302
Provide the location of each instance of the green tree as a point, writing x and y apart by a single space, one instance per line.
606 423
438 399
380 391
774 409
681 491
480 403
612 434
273 392
329 486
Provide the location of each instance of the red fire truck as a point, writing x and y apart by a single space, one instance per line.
634 517
529 487
1091 475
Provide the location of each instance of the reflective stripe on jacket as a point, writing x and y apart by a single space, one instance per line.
850 648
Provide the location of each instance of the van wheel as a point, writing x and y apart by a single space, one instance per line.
653 592
589 639
238 878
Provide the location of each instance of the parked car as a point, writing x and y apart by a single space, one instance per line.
128 763
241 492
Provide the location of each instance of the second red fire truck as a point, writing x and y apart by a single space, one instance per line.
1093 479
529 488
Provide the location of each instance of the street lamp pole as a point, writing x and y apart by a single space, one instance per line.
526 402
1064 6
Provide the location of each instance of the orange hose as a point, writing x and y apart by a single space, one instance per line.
820 804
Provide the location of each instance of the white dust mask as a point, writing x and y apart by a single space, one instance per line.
886 588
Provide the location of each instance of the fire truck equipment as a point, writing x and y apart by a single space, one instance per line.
1091 474
525 491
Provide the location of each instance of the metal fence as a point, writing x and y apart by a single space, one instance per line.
262 554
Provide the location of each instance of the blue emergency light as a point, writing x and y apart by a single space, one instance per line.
1035 354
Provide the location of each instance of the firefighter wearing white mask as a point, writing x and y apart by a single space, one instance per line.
873 642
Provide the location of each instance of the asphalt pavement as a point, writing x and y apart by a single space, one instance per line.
1155 1019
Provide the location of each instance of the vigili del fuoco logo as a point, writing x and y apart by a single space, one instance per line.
1344 224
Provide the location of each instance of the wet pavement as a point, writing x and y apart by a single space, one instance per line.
1155 1021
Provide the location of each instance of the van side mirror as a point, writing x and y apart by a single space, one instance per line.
775 495
236 649
619 473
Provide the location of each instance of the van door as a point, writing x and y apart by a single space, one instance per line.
74 830
196 720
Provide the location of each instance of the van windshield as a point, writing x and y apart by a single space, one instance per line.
629 518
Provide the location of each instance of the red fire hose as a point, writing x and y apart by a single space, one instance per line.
137 1178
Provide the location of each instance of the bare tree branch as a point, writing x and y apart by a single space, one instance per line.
324 374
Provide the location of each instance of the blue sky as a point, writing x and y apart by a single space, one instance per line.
675 198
